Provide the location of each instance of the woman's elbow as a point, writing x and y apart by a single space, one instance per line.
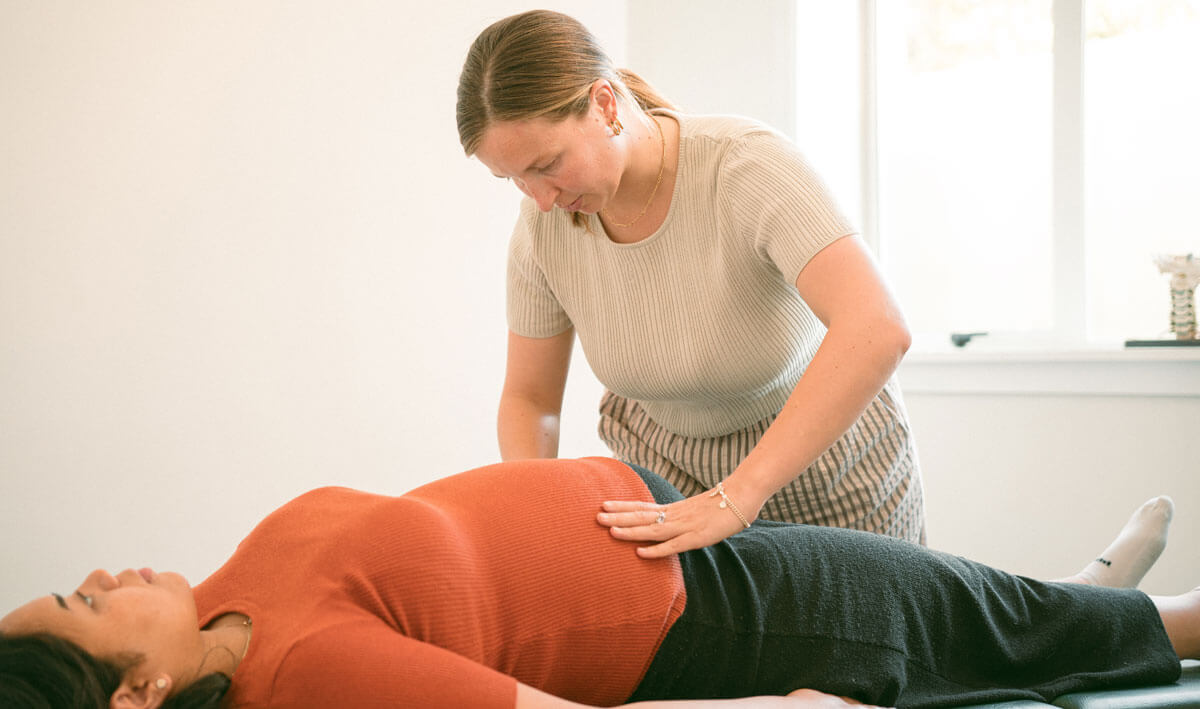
884 336
891 339
903 337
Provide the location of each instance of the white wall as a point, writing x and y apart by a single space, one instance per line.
241 255
1038 484
710 56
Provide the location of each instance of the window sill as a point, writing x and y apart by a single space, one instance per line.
1111 371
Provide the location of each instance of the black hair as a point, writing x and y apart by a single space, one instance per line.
43 671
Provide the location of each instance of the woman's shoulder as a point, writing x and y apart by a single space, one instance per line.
723 148
717 146
729 128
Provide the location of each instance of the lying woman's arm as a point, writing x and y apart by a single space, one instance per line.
530 698
369 664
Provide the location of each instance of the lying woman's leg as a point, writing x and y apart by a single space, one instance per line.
780 607
1181 619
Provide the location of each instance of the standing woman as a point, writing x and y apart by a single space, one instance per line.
744 334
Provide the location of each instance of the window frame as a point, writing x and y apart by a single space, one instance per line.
1062 361
1067 175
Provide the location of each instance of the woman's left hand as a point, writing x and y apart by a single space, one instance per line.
692 523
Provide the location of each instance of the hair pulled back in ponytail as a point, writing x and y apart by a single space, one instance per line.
538 64
646 95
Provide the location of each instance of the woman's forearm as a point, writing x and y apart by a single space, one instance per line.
526 430
531 401
530 698
853 363
821 702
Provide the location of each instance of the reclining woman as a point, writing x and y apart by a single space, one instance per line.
506 586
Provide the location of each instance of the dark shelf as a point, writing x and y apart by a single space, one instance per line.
1162 343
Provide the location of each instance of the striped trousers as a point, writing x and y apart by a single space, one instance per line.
868 479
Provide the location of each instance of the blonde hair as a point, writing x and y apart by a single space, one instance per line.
538 64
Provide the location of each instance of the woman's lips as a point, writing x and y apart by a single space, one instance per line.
574 206
148 574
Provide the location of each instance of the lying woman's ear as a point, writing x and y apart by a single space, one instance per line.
140 692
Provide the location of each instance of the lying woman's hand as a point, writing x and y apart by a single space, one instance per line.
820 700
692 523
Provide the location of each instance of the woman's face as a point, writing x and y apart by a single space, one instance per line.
572 163
138 612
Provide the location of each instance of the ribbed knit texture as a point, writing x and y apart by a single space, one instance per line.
700 322
442 597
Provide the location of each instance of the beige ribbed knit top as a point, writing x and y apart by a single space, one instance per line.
701 321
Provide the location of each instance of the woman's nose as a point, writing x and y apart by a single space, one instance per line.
100 580
542 193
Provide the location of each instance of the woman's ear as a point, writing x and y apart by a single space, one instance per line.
140 692
604 97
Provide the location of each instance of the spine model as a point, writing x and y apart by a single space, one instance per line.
1185 276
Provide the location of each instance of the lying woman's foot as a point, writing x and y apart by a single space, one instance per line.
1134 551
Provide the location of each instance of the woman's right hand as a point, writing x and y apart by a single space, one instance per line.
820 700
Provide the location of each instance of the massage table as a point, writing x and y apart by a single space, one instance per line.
1184 693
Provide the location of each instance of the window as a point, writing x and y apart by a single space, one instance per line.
1024 160
964 169
1141 159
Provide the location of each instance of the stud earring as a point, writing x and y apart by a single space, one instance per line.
616 126
160 683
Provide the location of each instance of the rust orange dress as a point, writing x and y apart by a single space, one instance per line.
439 599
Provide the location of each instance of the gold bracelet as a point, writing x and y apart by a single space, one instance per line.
726 502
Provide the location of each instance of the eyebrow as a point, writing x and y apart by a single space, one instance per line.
61 601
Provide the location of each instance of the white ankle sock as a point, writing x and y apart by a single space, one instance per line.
1136 548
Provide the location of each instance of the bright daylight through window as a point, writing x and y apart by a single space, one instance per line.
971 167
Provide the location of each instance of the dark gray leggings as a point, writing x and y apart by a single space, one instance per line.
781 606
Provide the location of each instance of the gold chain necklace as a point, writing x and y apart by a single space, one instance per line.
248 624
662 165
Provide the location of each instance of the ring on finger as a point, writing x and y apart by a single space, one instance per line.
662 517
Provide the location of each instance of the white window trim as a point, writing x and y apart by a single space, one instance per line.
1067 205
1149 372
869 126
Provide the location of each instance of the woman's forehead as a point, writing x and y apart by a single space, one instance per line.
512 147
531 131
41 614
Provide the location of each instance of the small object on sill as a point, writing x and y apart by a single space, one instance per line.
1185 276
1162 343
960 339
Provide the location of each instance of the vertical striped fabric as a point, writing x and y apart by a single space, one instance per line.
868 479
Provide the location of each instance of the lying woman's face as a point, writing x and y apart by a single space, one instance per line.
144 613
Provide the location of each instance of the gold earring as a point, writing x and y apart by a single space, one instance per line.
616 126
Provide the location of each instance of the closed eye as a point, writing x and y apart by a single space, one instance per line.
88 601
549 166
